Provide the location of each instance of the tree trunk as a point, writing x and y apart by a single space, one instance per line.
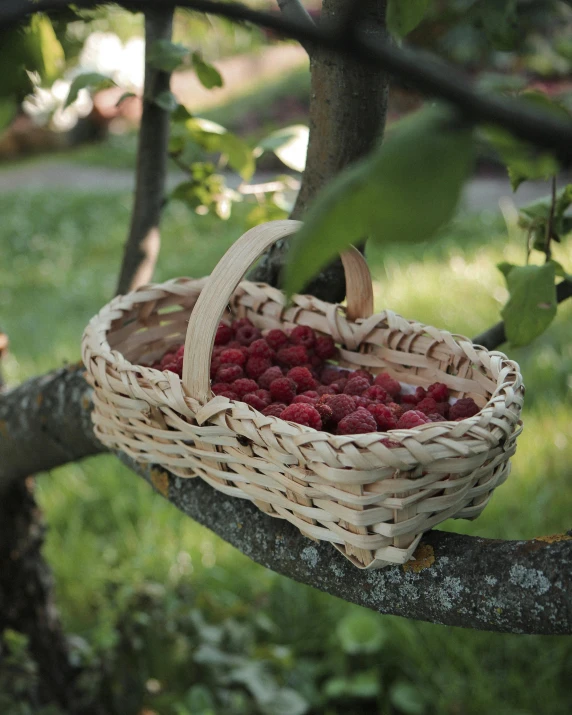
348 106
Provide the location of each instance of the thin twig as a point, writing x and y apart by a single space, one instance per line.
420 70
550 222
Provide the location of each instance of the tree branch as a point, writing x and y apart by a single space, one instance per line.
421 71
496 336
142 246
294 10
506 586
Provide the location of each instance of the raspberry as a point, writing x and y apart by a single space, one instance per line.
325 412
304 399
325 390
383 416
436 417
342 405
427 406
420 394
257 366
235 345
216 362
358 422
409 400
361 401
377 393
438 391
443 408
390 385
412 418
303 415
398 410
223 389
243 386
223 334
260 348
462 409
302 335
363 373
302 377
283 390
247 334
276 339
255 401
325 347
273 373
316 362
340 384
329 375
233 356
176 366
167 358
180 351
240 323
274 410
293 355
264 395
229 373
390 443
356 386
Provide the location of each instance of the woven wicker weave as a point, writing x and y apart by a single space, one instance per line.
371 501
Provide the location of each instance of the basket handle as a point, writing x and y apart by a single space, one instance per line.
224 280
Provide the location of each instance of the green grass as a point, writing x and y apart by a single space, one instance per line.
132 573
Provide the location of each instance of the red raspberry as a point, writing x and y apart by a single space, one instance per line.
357 422
247 334
167 358
390 385
257 366
267 377
412 418
302 335
240 323
438 391
260 348
436 417
216 362
356 386
223 334
377 393
229 373
390 443
276 339
420 393
233 356
180 351
398 410
361 401
274 410
325 412
283 390
316 363
235 345
293 355
302 377
409 400
427 406
342 405
312 393
243 386
223 389
176 366
443 408
363 373
462 409
304 399
264 395
383 416
330 374
340 385
255 401
325 347
303 415
325 390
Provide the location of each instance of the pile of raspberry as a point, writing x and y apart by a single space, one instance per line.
292 377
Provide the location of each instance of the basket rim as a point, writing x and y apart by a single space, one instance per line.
100 323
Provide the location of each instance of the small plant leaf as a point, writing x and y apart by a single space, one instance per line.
289 144
403 16
166 56
93 80
361 632
403 192
166 100
208 75
406 698
532 303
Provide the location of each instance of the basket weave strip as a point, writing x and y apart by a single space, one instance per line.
371 500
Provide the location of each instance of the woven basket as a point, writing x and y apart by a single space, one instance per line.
373 502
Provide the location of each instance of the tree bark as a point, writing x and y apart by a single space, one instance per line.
348 107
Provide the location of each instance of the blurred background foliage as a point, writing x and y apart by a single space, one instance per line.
165 617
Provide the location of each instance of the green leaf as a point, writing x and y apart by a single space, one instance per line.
403 192
361 632
264 212
166 56
505 268
166 100
8 109
289 144
93 80
208 75
403 16
124 96
285 701
532 303
500 22
406 698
